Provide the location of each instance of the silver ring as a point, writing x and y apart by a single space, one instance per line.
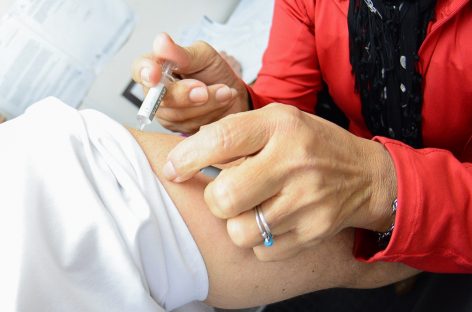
263 227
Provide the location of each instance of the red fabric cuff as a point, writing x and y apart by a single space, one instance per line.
432 225
366 248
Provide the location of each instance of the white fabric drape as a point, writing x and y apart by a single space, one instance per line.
85 225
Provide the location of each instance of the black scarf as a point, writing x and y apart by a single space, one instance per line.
384 39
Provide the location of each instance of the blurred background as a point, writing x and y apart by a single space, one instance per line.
82 50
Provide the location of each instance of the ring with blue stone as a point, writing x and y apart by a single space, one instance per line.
263 227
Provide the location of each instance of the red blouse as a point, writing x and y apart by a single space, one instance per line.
433 227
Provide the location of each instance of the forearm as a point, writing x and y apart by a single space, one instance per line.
237 278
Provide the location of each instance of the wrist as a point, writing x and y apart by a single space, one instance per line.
383 192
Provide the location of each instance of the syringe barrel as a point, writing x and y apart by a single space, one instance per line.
155 95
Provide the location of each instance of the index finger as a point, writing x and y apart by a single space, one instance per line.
230 138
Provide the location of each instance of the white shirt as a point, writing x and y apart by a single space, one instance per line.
85 225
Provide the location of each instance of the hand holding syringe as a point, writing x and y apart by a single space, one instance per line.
209 90
155 95
153 100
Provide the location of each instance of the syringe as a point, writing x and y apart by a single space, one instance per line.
156 94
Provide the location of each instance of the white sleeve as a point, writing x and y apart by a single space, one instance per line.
85 225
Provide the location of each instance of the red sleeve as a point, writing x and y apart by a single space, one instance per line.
290 73
433 225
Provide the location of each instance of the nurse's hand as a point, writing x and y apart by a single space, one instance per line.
208 91
310 177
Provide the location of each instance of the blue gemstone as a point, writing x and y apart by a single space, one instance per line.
268 242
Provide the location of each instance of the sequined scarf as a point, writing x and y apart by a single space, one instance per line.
384 39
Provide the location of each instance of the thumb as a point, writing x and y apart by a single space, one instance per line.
189 60
230 138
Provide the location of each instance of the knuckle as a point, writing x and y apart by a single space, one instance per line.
205 47
217 212
284 118
272 106
284 109
219 201
220 135
222 211
238 232
201 50
226 209
223 136
291 115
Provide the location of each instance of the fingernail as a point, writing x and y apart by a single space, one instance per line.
169 171
198 94
223 94
146 75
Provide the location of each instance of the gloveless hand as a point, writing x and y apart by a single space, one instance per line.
311 178
208 91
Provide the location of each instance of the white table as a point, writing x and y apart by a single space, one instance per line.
153 16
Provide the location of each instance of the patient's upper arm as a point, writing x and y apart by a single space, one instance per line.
236 277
